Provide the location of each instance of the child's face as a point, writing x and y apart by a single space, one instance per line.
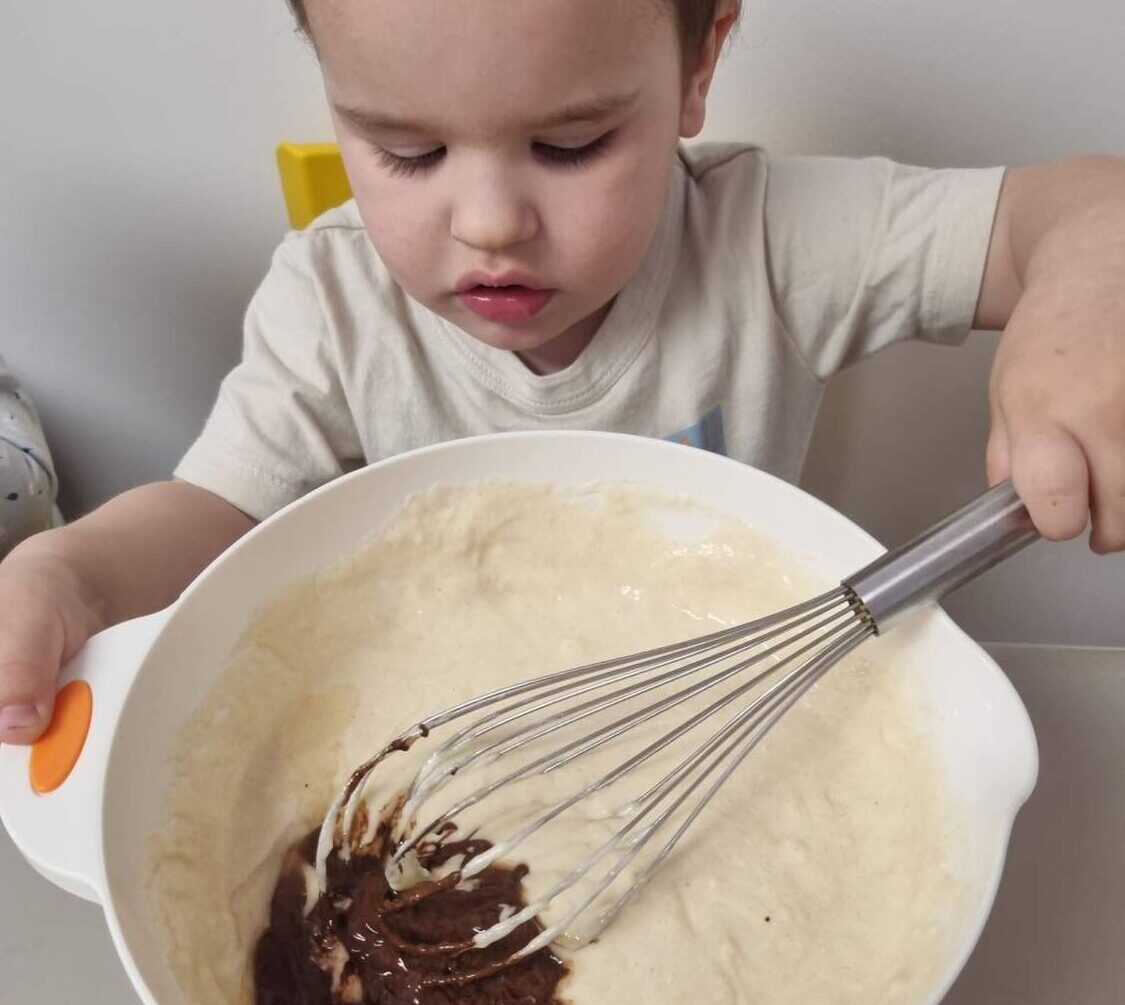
517 143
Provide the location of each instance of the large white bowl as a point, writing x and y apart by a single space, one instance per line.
149 675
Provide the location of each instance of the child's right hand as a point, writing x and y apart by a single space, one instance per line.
129 557
43 622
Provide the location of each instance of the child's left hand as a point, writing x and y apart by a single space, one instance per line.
1055 282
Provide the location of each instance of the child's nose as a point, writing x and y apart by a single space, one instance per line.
492 215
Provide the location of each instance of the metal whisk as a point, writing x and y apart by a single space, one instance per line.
662 708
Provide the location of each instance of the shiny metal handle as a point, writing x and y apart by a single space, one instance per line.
958 549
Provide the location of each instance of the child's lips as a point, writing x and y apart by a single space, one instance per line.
507 304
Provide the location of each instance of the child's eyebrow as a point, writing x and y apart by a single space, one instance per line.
583 111
586 111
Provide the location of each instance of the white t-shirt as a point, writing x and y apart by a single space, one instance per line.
765 277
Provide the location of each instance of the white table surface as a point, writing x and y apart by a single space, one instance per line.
1056 935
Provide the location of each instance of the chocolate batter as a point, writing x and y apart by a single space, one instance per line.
359 946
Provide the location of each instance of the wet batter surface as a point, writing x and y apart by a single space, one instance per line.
826 870
361 945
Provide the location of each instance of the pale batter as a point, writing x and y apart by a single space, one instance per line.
824 872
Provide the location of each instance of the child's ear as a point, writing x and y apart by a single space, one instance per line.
697 78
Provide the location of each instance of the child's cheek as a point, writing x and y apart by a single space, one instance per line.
613 224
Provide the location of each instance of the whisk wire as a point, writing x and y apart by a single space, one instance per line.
354 794
823 664
754 722
596 675
431 777
501 849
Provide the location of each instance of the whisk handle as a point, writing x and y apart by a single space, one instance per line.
949 554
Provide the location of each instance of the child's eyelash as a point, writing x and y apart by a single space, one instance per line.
573 156
407 167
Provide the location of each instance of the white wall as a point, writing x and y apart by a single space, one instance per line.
139 206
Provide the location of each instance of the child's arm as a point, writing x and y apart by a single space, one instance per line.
1055 282
132 556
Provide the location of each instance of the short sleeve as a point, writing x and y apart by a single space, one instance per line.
864 253
281 425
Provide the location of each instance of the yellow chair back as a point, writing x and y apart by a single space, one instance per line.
312 179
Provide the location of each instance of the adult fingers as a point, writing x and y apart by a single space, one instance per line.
1051 475
1107 461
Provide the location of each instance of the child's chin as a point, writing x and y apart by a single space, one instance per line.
511 338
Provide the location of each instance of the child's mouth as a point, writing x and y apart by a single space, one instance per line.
506 304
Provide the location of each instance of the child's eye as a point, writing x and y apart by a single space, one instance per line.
407 167
572 156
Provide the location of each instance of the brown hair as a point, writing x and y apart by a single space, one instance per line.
694 18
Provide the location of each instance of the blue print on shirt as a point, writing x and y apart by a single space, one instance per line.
707 433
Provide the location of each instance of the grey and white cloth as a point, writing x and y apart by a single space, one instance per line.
28 486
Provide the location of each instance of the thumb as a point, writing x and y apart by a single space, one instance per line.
32 640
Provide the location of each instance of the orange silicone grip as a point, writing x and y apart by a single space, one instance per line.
55 753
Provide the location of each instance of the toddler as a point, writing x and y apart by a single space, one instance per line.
530 246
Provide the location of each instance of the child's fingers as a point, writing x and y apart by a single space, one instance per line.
1052 477
31 645
1108 510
